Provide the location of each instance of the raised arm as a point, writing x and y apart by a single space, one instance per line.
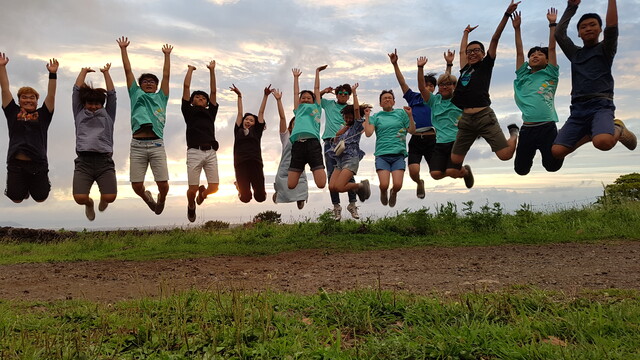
316 84
463 45
263 105
356 103
123 42
565 43
107 77
4 81
368 128
83 75
412 124
240 110
76 105
212 83
493 45
186 86
166 69
612 14
50 100
283 119
111 105
552 16
422 85
516 21
296 87
393 57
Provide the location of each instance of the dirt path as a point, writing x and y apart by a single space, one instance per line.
566 267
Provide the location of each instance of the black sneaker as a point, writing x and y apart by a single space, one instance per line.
468 179
364 190
420 189
159 207
191 213
513 129
148 198
627 138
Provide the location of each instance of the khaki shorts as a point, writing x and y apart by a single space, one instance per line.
144 153
483 123
198 160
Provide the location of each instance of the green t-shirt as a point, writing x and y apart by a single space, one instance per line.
391 132
333 117
534 93
307 123
444 117
148 108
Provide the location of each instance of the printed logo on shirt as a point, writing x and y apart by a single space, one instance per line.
316 115
547 89
466 76
159 114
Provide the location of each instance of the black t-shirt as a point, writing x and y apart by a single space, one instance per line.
247 147
200 125
473 85
27 131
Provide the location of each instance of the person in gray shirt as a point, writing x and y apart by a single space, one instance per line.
94 141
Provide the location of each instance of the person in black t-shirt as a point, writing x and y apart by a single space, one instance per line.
247 151
27 164
199 110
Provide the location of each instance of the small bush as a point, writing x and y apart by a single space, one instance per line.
269 216
215 225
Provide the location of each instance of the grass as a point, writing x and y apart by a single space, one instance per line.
445 226
519 323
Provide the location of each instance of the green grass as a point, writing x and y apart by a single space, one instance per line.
445 226
519 323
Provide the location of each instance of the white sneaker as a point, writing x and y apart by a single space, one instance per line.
337 212
353 210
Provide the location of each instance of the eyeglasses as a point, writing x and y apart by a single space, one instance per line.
343 93
473 51
446 84
147 81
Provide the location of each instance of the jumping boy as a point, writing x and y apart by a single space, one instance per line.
199 110
592 109
534 90
27 164
472 96
148 116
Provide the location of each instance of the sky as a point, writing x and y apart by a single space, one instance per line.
257 43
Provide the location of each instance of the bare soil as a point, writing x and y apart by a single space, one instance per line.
570 268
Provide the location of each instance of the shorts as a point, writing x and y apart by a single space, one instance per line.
26 178
592 117
350 163
198 160
483 123
441 159
421 146
94 167
534 137
391 162
306 151
144 153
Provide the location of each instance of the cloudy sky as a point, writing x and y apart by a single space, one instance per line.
256 43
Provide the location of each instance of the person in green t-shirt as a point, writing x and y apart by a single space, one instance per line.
391 127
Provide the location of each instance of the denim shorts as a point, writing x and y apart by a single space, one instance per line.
144 153
592 117
390 162
350 163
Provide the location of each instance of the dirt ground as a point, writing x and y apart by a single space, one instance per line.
565 267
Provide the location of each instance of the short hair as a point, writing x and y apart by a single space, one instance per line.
199 92
474 43
148 76
347 110
344 87
447 77
387 92
313 96
589 16
91 95
28 90
430 78
544 50
255 117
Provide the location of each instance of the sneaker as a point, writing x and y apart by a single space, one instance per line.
392 198
420 189
159 207
353 210
514 130
627 138
468 179
337 212
102 206
200 198
89 211
383 198
191 213
148 198
364 190
300 204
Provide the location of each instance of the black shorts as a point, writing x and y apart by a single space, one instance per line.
306 151
94 167
421 146
441 159
26 178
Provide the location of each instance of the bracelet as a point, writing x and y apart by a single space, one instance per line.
507 14
420 66
53 76
448 64
552 24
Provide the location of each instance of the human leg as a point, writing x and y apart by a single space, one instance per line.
243 181
159 167
546 137
256 177
17 186
526 150
331 164
138 163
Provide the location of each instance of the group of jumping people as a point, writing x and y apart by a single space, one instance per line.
443 124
